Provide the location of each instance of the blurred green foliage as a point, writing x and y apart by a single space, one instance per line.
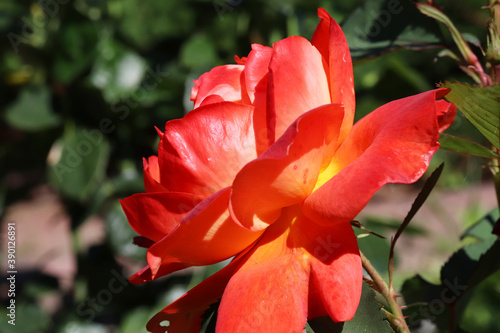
84 82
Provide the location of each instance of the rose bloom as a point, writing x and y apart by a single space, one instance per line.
269 169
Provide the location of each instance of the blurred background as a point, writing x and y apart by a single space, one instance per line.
83 84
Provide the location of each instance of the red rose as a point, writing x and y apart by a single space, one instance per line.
269 168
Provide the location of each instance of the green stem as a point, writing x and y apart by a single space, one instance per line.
493 49
473 66
496 179
397 319
493 57
493 45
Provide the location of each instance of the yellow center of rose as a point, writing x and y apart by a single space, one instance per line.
326 174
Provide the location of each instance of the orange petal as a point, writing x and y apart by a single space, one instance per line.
269 292
240 61
336 271
211 99
152 175
206 235
145 274
256 69
224 81
184 315
155 215
202 152
256 76
297 83
286 173
331 43
446 113
393 144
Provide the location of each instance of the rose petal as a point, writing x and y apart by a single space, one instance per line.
224 81
202 152
331 43
211 99
152 175
206 235
393 144
287 172
155 215
446 113
145 274
256 69
256 76
336 270
269 292
297 83
184 315
240 61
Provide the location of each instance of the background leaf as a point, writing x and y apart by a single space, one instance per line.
378 26
77 49
466 269
30 318
32 110
77 162
117 70
66 48
460 145
369 317
480 105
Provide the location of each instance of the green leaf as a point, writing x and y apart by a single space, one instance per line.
121 235
40 284
464 271
417 204
29 318
135 321
381 225
81 326
117 70
448 53
32 110
488 264
460 145
198 53
482 229
381 25
480 105
420 199
424 302
11 11
77 162
369 317
376 249
481 315
146 24
433 11
76 49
